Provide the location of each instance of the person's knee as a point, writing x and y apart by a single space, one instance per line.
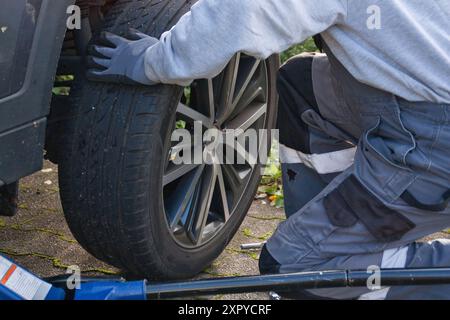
296 76
294 79
267 263
295 88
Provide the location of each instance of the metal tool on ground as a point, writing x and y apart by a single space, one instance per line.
253 246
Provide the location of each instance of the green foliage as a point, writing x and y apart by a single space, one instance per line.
271 186
187 96
65 78
249 234
180 124
307 46
62 90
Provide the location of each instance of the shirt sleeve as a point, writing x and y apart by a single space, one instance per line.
206 38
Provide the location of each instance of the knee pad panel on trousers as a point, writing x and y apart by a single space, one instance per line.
295 88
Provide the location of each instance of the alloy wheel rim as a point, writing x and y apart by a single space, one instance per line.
200 199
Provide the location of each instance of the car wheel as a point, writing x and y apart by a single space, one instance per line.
126 198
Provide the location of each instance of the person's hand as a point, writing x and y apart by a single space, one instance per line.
120 60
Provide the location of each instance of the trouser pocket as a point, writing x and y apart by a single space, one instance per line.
389 140
351 202
382 162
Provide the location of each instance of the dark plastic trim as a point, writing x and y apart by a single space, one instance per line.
22 154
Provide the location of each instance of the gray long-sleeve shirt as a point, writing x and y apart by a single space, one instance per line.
400 46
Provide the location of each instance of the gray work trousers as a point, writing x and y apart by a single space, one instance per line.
366 174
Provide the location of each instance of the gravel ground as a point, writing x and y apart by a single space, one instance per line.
38 237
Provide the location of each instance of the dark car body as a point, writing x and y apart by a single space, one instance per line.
31 36
30 45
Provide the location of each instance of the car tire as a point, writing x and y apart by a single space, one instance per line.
113 163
